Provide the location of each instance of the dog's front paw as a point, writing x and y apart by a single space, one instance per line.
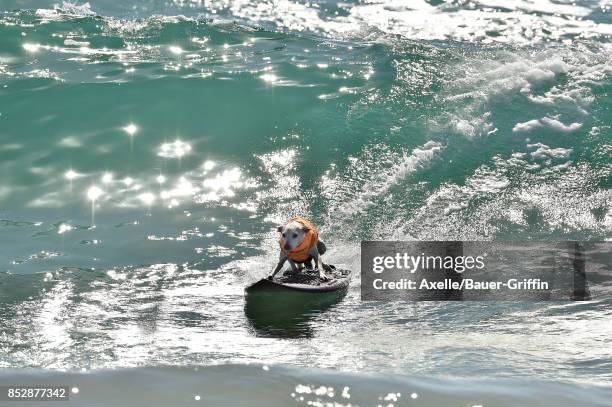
324 277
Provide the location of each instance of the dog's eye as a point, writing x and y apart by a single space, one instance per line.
284 235
294 235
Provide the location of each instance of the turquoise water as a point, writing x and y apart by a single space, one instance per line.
149 148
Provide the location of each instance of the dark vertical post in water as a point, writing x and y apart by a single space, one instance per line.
454 250
581 285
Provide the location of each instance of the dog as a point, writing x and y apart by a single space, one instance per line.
300 244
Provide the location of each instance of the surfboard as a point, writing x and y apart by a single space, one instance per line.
307 281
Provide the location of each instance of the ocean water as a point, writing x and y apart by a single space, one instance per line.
149 148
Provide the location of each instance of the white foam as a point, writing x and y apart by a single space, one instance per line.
379 184
548 122
526 126
487 21
544 151
528 21
537 75
501 21
474 126
66 10
557 125
539 6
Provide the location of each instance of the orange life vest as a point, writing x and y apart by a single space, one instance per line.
311 238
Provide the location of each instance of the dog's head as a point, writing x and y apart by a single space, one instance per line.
292 234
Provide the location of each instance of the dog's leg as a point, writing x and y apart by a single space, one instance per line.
319 265
322 248
294 267
281 260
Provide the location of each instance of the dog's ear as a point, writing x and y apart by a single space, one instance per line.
279 229
306 229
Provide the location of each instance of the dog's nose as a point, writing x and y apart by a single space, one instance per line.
287 246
